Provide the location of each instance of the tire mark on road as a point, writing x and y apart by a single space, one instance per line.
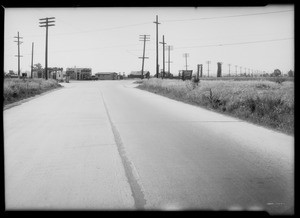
130 172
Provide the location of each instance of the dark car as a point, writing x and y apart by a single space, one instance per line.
94 78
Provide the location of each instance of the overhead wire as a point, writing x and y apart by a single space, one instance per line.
228 16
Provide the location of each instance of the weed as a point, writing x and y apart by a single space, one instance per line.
263 102
17 89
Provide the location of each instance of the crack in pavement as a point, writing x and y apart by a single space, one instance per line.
130 172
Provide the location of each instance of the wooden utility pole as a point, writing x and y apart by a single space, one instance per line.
199 70
169 57
46 22
219 71
208 62
18 42
144 38
157 67
163 43
32 61
186 55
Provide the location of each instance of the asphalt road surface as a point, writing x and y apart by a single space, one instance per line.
106 145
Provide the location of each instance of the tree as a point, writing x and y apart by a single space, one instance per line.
276 72
39 69
291 73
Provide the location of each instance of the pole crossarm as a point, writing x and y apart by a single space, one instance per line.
46 18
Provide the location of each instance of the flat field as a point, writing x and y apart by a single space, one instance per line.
263 102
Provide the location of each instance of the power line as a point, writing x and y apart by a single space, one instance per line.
229 16
95 30
88 49
104 29
237 43
228 44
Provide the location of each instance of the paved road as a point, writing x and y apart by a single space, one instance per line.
107 145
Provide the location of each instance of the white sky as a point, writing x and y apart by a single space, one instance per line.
107 39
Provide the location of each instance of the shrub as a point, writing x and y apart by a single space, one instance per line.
279 80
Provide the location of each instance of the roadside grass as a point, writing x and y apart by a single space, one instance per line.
17 89
243 78
266 103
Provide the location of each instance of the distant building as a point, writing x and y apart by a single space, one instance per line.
138 74
79 73
185 74
107 76
11 74
55 73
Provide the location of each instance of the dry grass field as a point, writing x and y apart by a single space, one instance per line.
263 102
18 89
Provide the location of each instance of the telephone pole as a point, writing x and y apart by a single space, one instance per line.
208 62
32 61
18 42
163 43
229 68
169 49
46 22
199 70
144 38
157 67
186 55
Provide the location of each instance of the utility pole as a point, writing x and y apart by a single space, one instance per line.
219 71
32 61
236 70
186 55
144 38
46 22
208 62
18 42
169 48
241 70
157 67
163 43
229 68
199 70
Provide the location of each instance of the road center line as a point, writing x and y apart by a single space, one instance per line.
130 172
